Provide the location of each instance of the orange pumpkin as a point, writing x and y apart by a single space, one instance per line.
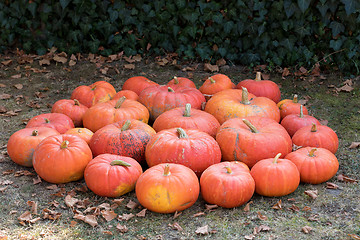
137 84
181 81
72 108
290 106
83 133
131 95
215 84
59 121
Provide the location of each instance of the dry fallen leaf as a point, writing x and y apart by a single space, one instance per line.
18 86
330 185
118 201
7 62
306 229
4 96
198 214
58 58
354 145
247 206
44 61
176 226
37 180
262 217
26 216
313 218
16 76
221 62
52 187
129 66
294 208
141 213
33 206
70 201
51 215
125 217
108 215
249 237
277 206
3 189
72 63
345 88
210 207
312 193
91 220
132 205
202 230
176 214
344 178
211 68
122 228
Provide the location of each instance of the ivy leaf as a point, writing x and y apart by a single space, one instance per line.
322 9
64 3
350 6
32 8
336 44
303 5
289 8
336 28
228 26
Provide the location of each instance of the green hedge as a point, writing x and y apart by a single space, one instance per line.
287 33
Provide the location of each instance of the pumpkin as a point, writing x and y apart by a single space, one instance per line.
294 122
190 147
261 88
159 99
110 175
167 188
83 133
59 121
187 118
137 84
214 84
181 81
275 177
316 136
97 92
252 139
131 95
113 111
235 103
72 108
126 138
21 144
227 184
61 158
316 165
290 106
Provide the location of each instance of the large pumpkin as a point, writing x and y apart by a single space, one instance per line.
137 84
59 121
316 165
103 114
97 92
167 188
72 108
275 177
261 88
159 99
252 139
22 144
190 147
126 137
236 103
110 175
187 118
61 158
227 184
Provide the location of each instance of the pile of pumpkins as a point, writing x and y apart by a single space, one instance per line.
223 141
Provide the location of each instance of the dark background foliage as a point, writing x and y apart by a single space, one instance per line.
278 33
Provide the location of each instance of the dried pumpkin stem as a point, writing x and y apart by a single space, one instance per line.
301 111
167 170
295 100
258 76
212 80
187 112
313 128
250 125
176 80
64 144
120 102
182 133
35 133
126 125
47 120
170 89
120 163
312 152
245 96
228 170
276 158
76 102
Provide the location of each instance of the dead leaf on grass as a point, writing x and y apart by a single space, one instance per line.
16 76
59 58
6 182
312 193
5 96
44 61
7 62
354 145
129 66
19 86
132 205
3 109
306 229
2 190
307 208
52 187
2 85
211 68
261 228
141 213
25 217
247 206
122 228
33 206
221 62
118 201
344 178
37 180
249 237
177 214
70 201
23 173
72 63
108 215
176 226
125 217
91 220
73 223
261 216
330 185
202 230
313 218
198 214
210 207
277 206
294 208
50 214
105 206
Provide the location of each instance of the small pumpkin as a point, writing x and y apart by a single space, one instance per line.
227 184
291 106
181 81
131 95
316 165
137 84
83 133
72 108
59 121
215 84
275 177
22 144
61 158
110 175
167 188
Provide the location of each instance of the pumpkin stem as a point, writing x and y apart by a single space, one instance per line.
170 89
76 102
120 102
258 76
312 152
120 163
313 128
276 158
176 80
126 125
295 100
167 170
212 80
228 170
301 111
35 133
250 125
47 120
93 88
187 112
64 144
245 96
182 133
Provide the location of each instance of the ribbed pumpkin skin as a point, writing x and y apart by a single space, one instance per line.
131 95
227 104
83 133
58 121
55 164
324 137
103 114
167 194
181 81
275 179
159 99
97 92
130 143
198 151
225 189
294 122
22 144
198 119
239 143
108 180
137 84
70 108
220 82
290 106
315 169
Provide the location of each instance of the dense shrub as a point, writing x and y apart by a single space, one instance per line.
285 32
